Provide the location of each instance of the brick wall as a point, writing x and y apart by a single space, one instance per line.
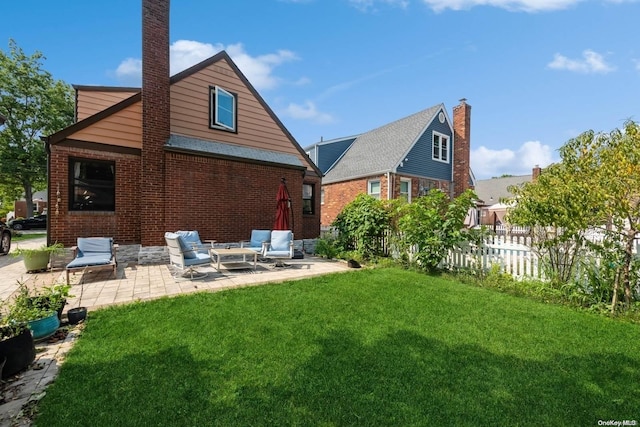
224 200
123 224
338 195
462 147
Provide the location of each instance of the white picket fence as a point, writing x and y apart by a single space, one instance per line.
512 253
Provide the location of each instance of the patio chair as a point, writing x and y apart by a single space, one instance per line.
183 257
192 238
280 247
258 238
93 253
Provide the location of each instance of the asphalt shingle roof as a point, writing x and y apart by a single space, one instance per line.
492 190
381 150
230 150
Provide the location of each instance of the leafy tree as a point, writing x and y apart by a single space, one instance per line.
558 207
34 105
433 224
596 186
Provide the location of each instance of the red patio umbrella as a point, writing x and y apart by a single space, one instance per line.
283 202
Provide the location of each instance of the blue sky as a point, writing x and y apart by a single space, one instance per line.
536 72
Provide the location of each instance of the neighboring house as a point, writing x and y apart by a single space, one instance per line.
493 192
39 205
405 158
200 150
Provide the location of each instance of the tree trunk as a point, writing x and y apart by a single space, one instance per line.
628 257
28 197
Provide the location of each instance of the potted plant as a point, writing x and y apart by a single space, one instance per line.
17 348
77 314
51 298
37 259
40 318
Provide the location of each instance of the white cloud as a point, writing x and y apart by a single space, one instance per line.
307 111
369 5
591 62
130 67
513 5
487 163
185 53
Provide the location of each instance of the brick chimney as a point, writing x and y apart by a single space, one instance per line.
535 172
461 147
155 119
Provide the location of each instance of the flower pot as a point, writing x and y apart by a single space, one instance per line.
45 327
36 260
18 352
76 315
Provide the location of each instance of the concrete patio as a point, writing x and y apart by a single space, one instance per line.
100 289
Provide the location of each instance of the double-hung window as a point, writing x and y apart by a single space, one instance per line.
440 147
405 189
374 189
223 109
92 185
307 199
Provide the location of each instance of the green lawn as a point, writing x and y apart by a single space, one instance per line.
381 347
25 236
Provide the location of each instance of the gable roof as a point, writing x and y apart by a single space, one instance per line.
136 97
493 190
382 149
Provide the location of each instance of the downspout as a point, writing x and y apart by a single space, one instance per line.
388 185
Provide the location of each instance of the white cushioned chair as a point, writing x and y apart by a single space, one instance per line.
183 256
280 246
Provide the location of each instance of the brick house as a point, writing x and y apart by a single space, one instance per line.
405 158
200 150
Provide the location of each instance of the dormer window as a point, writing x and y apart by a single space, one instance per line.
223 109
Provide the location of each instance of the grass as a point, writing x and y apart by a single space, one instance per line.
366 348
21 237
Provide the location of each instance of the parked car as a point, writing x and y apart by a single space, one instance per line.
5 239
29 223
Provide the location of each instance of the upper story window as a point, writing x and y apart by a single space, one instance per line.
308 199
405 189
374 188
440 147
92 185
223 109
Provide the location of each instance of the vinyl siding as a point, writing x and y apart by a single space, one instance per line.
90 102
420 159
122 128
255 127
330 152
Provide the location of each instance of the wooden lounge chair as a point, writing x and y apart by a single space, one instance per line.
93 253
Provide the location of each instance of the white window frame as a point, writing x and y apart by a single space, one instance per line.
216 123
371 193
437 150
408 193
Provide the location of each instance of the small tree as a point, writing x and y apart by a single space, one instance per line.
432 225
34 105
362 225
